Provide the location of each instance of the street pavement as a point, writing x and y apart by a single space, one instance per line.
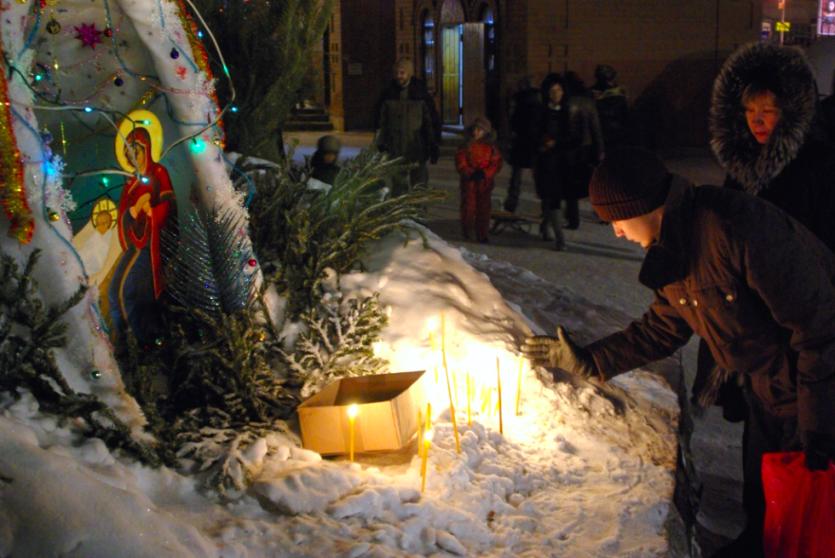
604 270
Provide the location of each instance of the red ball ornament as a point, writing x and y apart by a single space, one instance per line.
108 32
252 262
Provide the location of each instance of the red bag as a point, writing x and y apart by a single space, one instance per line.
800 508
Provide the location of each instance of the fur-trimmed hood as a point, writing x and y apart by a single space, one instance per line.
753 165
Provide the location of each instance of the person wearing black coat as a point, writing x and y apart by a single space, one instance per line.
526 109
557 142
408 125
761 116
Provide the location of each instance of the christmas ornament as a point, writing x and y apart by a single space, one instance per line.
53 216
108 32
262 336
118 82
175 53
88 35
252 262
95 374
52 26
158 341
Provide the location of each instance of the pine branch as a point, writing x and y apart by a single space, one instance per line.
28 333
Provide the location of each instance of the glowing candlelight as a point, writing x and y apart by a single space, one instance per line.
519 383
499 384
353 411
427 441
434 346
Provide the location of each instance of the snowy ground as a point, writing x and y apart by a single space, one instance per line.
602 269
583 471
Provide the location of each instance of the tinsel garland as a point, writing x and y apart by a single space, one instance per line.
201 58
12 186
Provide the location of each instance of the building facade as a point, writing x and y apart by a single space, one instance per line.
472 53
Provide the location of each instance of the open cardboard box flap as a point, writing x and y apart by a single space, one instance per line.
388 413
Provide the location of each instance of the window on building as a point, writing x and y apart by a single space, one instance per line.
826 19
489 38
427 48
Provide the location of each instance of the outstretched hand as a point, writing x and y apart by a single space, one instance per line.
559 352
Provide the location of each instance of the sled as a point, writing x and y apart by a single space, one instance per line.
503 220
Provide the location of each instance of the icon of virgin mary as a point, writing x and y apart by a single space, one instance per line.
145 207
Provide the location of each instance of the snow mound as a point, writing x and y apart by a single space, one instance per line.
582 470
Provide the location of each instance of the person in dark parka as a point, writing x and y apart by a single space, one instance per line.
323 164
761 116
408 125
612 106
756 285
557 143
525 112
586 124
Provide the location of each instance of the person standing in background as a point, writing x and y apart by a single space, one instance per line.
477 161
612 107
525 111
408 125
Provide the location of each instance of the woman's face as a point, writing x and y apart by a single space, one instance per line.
762 114
555 94
138 155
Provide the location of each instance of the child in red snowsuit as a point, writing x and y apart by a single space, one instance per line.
478 160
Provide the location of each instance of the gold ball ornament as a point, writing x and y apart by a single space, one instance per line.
52 26
54 216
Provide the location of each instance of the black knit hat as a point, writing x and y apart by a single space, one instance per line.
628 183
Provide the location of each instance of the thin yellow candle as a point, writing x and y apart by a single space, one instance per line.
428 416
519 383
420 432
427 441
434 346
469 399
449 389
353 411
499 384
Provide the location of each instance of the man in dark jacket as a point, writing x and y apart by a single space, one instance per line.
408 125
752 282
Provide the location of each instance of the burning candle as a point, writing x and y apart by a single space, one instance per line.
353 411
519 383
449 390
469 399
499 384
427 441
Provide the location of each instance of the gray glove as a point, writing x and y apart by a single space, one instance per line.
560 352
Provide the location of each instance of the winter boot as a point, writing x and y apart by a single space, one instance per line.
559 237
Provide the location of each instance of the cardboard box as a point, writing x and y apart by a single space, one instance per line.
388 413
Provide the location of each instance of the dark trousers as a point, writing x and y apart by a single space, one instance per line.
764 432
475 209
514 189
572 212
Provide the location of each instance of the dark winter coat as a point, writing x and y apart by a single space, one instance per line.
524 125
408 122
793 170
585 124
756 285
322 171
613 110
553 163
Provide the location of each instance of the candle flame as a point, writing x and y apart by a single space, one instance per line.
353 410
